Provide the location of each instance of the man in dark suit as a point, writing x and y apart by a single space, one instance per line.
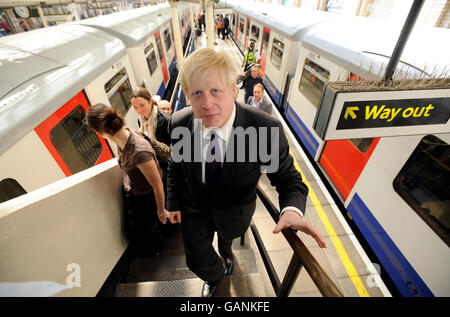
250 81
258 101
226 26
213 175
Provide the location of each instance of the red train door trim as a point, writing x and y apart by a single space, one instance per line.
43 131
344 163
263 56
162 59
246 30
237 28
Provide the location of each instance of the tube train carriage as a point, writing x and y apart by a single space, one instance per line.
62 71
395 189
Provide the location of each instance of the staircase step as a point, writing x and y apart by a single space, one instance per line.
238 285
165 268
162 268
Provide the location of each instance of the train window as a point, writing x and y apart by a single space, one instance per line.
265 46
182 22
159 46
118 90
9 189
151 58
277 53
233 20
255 32
423 184
314 78
241 25
362 144
78 146
167 39
248 28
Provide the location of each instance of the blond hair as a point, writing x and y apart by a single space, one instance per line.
260 86
208 62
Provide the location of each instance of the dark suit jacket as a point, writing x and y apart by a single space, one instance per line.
162 127
264 106
231 203
248 84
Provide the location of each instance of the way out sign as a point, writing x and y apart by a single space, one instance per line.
364 114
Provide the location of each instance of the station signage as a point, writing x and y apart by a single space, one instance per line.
362 114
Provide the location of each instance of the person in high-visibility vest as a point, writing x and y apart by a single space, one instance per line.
252 56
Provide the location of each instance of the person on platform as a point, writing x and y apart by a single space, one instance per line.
258 101
5 27
164 106
24 26
226 27
211 186
251 56
250 80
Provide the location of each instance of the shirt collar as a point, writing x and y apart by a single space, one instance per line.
256 103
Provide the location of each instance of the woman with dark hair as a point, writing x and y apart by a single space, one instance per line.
142 179
152 122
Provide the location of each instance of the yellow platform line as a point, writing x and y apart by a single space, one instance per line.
349 267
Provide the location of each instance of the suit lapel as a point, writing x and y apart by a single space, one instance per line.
196 158
229 168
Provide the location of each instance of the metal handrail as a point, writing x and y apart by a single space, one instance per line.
301 257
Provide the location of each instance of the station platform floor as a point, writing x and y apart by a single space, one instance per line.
344 260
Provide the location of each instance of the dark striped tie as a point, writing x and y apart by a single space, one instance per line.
213 161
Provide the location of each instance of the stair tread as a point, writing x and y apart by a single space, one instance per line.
174 267
236 285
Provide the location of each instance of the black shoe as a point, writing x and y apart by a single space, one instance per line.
229 265
210 288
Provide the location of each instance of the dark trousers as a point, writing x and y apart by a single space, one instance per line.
142 225
201 258
224 33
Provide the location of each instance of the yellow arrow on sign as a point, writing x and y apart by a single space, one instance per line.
351 111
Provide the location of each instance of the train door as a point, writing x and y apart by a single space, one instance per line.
264 49
344 160
73 146
247 32
161 57
169 48
240 33
237 27
173 34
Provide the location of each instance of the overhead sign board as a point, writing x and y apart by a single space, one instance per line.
377 113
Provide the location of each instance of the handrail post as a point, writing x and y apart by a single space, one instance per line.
291 276
266 259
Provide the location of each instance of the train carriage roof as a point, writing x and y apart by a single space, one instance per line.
290 22
366 43
134 26
44 68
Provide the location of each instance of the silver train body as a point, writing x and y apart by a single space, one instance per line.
51 76
395 189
